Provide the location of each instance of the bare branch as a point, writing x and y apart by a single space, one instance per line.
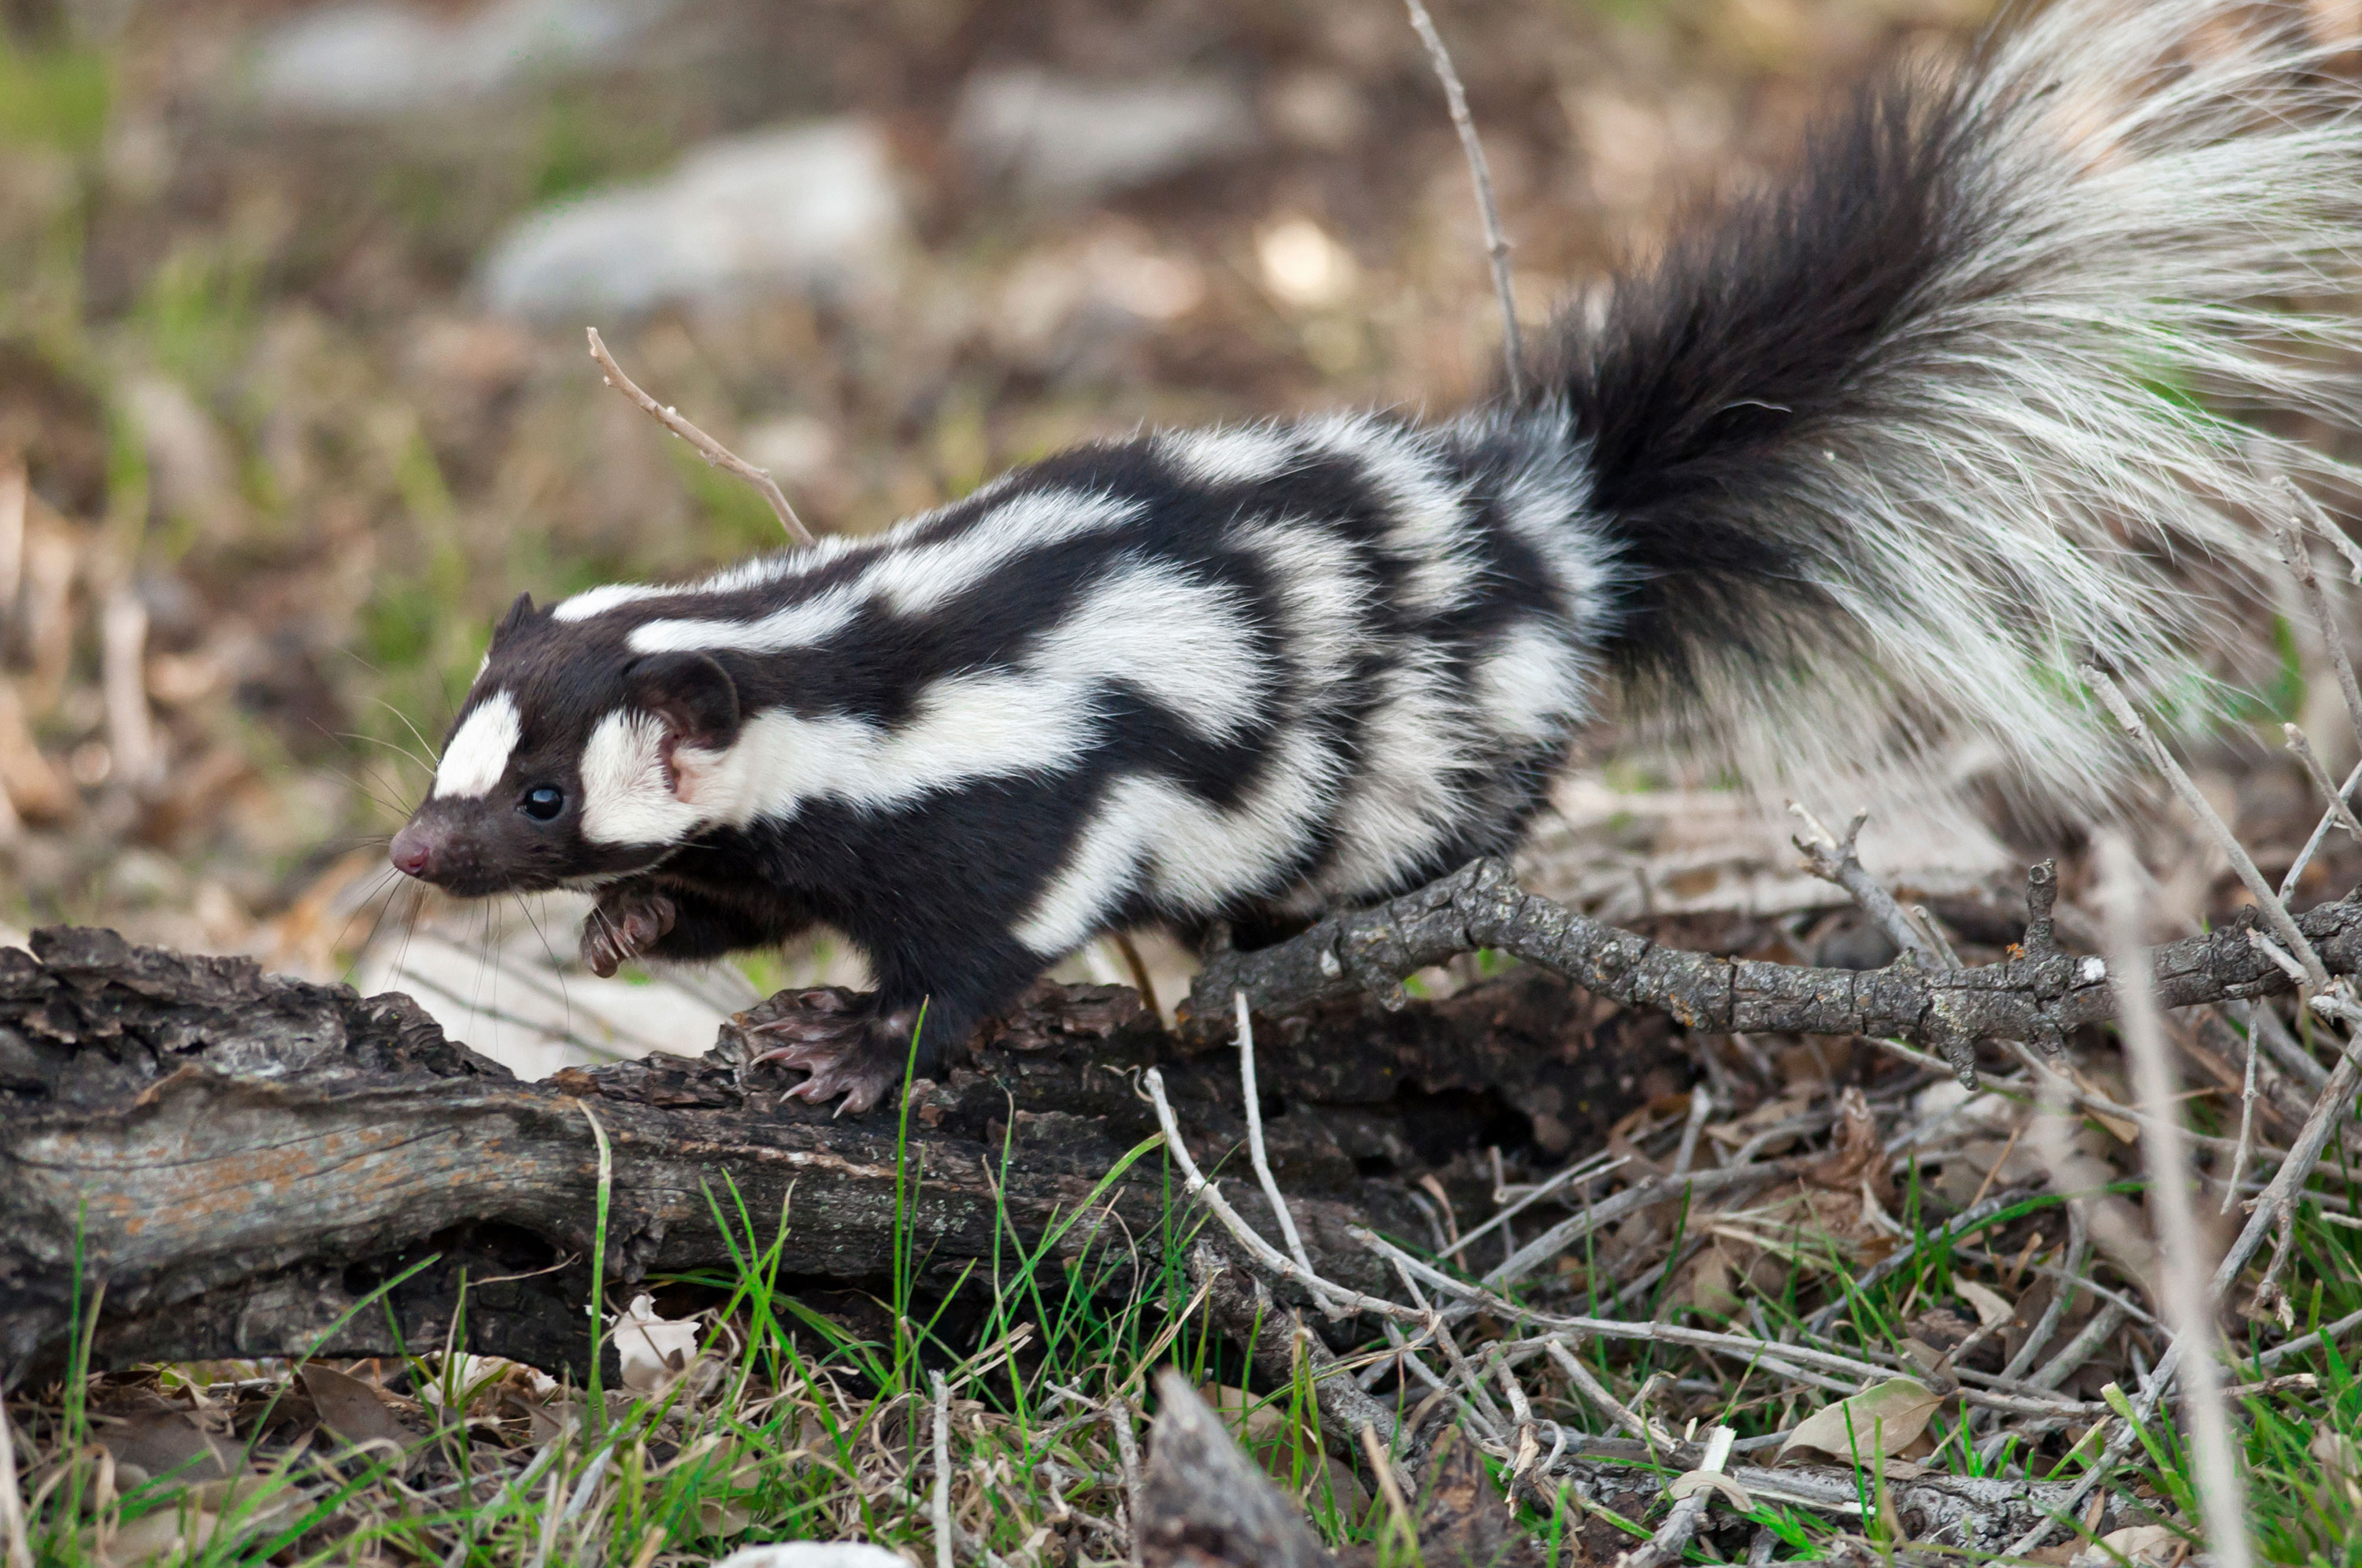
1562 1351
1497 246
939 1502
1833 860
2247 1096
2339 811
2036 995
2300 561
2320 831
1262 1254
1671 1541
1262 1161
713 451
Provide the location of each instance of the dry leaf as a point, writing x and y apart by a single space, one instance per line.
164 1440
655 1351
355 1411
2141 1546
151 1537
2125 1132
1881 1421
1691 1481
1858 1152
483 1379
1709 1287
2341 1468
1991 1308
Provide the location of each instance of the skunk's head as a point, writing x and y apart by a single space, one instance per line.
574 761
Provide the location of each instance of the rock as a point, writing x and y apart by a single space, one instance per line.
809 205
1063 138
367 59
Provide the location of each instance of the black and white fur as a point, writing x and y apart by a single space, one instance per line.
1858 468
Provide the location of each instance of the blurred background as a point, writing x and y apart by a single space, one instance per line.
293 397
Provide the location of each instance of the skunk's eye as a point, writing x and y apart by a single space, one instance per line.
542 802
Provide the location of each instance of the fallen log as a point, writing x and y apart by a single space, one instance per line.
236 1165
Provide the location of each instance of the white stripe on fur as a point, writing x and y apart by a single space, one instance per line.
1230 455
802 625
1181 640
918 578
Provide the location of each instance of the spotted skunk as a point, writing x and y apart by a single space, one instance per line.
1853 471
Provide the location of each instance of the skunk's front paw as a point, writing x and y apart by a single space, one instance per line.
847 1047
628 921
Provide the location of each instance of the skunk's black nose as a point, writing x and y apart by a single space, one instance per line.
413 852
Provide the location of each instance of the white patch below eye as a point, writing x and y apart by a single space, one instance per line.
478 752
626 797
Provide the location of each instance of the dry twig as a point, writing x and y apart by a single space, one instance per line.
1333 1299
1262 1161
1673 1538
706 446
1497 246
939 1506
1833 860
2339 811
2300 561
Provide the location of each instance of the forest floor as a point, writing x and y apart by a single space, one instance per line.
291 408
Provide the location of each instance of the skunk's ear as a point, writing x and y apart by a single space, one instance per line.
691 692
519 614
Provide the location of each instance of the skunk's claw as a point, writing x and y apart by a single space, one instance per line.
627 923
845 1045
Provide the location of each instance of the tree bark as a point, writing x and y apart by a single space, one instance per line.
241 1161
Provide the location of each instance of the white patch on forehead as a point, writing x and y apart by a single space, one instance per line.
478 752
593 602
1240 454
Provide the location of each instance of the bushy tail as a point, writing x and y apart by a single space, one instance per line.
1994 383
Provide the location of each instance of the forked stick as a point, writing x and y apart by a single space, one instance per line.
706 446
